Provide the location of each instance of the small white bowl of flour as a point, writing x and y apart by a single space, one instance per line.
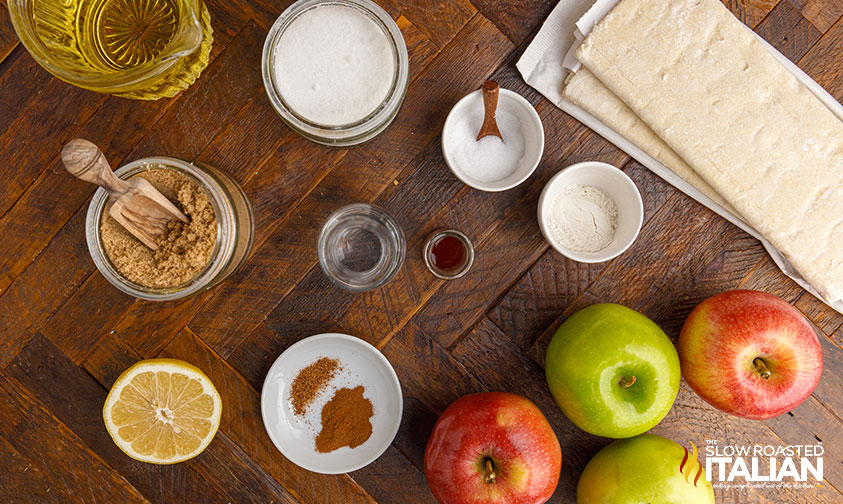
590 212
492 164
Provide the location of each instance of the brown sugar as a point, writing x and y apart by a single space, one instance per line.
345 420
311 381
182 253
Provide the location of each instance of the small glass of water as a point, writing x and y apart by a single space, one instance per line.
361 247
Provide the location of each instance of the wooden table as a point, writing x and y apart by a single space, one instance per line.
65 333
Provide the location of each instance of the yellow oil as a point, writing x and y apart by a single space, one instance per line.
123 46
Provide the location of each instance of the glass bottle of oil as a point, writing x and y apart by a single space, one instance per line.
142 49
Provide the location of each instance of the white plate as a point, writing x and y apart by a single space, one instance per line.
362 364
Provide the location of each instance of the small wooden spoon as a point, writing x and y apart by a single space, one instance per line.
490 107
138 206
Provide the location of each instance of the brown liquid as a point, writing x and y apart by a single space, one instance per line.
448 253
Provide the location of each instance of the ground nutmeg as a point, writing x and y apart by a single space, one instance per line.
311 381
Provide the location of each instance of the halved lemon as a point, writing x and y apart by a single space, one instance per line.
162 411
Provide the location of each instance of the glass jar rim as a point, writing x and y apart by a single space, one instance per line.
365 128
387 220
222 246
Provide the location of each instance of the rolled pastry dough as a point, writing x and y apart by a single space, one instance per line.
587 92
707 87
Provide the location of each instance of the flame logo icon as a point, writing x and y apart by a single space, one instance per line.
694 460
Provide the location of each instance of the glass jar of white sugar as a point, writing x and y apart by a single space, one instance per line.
336 71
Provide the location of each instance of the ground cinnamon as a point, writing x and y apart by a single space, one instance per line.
345 420
311 381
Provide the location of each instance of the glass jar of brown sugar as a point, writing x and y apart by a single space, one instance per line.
189 259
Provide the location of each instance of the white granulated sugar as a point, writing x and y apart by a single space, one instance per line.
334 65
583 218
489 159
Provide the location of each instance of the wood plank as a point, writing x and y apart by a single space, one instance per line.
109 359
204 109
21 478
554 281
42 287
8 37
825 317
767 277
811 423
416 426
392 475
38 215
421 189
288 254
516 243
822 62
71 466
420 49
788 31
831 383
439 20
241 421
21 80
821 13
41 366
751 12
37 135
86 317
517 23
426 370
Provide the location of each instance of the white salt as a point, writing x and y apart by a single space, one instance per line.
490 159
334 65
583 218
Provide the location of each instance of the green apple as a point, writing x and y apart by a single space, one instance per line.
613 371
644 468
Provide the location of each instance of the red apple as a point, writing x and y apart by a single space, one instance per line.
750 354
492 448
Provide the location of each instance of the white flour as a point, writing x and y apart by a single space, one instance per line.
583 218
334 65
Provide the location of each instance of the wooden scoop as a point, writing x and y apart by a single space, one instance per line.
138 206
490 107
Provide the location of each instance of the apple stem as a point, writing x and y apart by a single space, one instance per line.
761 368
489 476
626 381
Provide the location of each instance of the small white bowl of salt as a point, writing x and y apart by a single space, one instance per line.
590 212
492 163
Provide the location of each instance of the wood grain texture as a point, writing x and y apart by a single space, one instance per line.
821 13
788 31
66 334
8 37
62 456
289 253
